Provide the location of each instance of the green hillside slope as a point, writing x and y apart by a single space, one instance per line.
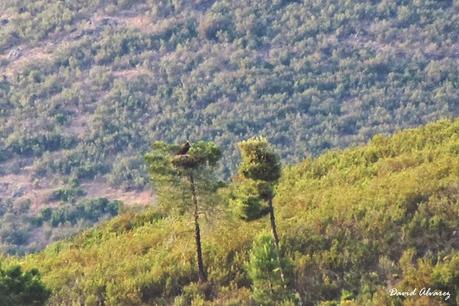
354 224
88 85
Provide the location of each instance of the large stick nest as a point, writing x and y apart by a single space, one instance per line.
187 161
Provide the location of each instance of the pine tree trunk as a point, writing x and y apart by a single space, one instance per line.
273 223
276 236
197 232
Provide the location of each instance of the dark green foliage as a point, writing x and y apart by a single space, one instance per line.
264 270
259 162
159 159
200 155
165 178
22 288
88 210
128 173
249 197
66 194
260 169
19 225
168 169
31 145
247 200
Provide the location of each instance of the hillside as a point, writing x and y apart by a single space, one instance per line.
354 224
86 86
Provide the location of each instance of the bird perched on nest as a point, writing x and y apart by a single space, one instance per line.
184 149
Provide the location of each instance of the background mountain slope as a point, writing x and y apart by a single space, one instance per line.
86 86
354 222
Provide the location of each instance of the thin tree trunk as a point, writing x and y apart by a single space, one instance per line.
273 223
197 232
276 236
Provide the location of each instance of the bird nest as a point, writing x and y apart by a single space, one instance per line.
187 161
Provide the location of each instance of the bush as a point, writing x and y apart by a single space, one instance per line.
22 288
265 269
66 194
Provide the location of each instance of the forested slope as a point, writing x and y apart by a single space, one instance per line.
86 86
354 223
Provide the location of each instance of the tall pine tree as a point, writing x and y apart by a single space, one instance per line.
171 169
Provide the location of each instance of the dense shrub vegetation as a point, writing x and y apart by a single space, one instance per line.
310 75
22 229
353 224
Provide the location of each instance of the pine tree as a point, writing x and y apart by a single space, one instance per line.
265 268
261 169
261 165
185 172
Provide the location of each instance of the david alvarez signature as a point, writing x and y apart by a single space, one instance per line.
422 292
